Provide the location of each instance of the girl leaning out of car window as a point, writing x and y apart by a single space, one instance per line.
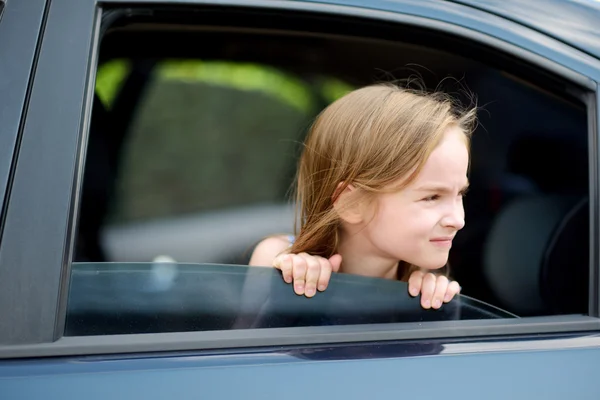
379 192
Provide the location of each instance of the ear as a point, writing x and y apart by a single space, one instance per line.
350 212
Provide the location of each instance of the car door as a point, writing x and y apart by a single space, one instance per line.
549 356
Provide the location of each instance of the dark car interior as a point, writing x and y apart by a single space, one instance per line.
525 246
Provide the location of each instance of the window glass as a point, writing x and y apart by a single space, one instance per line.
126 298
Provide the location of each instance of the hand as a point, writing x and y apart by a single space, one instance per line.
434 289
309 273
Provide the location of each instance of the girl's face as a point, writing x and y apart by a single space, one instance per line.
417 224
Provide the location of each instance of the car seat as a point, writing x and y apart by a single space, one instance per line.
536 257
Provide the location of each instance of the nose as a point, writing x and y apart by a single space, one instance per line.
455 217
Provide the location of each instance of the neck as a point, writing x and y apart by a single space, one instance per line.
360 258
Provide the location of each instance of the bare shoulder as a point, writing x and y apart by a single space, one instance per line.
266 251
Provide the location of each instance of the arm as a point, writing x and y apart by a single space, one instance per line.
267 250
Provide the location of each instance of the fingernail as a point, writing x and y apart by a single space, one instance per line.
287 279
437 304
310 292
447 298
427 303
299 289
322 287
413 291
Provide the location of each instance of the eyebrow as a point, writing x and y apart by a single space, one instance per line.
439 188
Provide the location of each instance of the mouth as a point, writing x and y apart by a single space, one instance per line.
444 242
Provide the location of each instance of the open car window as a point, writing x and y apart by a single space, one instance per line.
192 154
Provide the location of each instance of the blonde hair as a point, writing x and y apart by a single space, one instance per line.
369 138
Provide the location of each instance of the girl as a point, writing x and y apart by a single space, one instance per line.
379 193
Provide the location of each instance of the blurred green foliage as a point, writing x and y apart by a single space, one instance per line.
210 135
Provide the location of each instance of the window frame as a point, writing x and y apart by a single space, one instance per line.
35 284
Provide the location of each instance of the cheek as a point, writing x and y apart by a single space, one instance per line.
408 221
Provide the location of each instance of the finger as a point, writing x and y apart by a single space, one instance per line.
325 275
299 274
441 286
313 270
415 281
427 290
336 262
284 263
453 290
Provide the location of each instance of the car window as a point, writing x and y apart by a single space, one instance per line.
192 154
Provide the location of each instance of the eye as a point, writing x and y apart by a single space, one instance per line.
432 197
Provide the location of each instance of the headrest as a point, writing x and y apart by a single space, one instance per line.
523 242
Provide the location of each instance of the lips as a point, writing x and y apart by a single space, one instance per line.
442 241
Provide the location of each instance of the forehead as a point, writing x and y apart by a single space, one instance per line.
448 162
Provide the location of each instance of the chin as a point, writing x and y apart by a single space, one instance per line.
433 264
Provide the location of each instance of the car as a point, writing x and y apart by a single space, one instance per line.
147 146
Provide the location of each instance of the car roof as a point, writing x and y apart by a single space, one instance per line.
576 22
